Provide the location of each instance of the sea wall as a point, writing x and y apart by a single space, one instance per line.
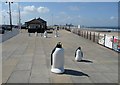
9 34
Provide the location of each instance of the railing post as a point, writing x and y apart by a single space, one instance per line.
104 39
113 42
98 37
84 34
90 35
94 37
87 34
80 32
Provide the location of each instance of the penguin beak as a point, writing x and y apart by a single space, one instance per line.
61 45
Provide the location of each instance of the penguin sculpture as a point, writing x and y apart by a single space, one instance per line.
36 34
78 54
56 33
72 30
45 34
57 59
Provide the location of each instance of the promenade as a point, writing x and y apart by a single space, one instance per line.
26 59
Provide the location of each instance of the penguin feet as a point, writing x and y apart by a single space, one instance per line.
78 60
57 71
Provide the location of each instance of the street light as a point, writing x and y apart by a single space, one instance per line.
10 13
19 20
4 19
52 20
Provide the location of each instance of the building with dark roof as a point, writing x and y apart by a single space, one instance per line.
36 25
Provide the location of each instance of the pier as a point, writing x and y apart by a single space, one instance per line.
26 59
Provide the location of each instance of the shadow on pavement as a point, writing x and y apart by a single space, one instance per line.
87 61
75 73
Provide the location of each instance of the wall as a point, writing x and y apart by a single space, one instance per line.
9 34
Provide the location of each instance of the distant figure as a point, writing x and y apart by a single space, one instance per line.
20 30
36 34
72 30
41 34
78 54
56 33
45 34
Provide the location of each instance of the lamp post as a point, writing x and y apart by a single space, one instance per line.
4 19
10 14
52 20
19 17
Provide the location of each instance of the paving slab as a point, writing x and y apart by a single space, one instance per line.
99 78
82 79
19 77
7 69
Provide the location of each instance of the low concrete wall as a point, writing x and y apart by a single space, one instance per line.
9 34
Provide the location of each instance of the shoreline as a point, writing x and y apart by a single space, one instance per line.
101 31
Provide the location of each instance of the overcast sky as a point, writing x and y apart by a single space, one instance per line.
77 13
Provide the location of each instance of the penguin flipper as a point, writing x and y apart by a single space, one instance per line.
52 54
76 51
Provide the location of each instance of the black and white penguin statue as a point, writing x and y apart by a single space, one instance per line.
36 34
78 54
45 34
57 59
56 33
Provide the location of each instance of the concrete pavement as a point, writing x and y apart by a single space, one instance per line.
27 60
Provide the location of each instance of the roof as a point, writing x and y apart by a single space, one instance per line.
41 19
36 21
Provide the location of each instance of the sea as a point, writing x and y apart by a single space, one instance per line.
106 29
